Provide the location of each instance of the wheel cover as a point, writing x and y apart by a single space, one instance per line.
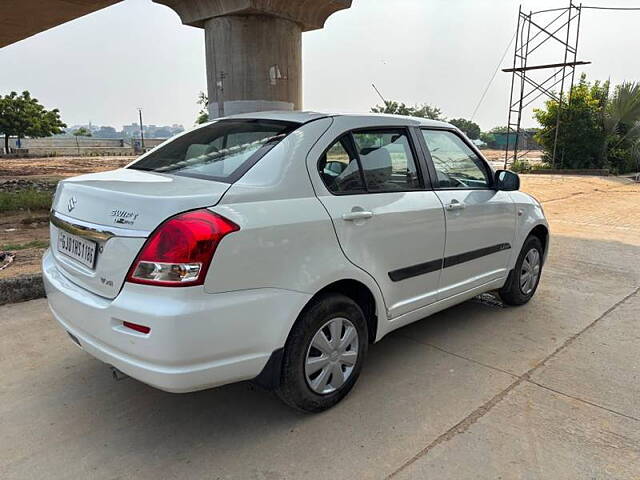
530 271
331 356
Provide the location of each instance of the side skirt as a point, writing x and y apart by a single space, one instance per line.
438 306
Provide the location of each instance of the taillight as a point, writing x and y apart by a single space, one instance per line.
179 251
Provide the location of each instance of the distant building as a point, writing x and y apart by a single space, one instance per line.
151 131
525 141
127 131
132 130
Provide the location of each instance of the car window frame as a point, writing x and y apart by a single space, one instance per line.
422 172
431 166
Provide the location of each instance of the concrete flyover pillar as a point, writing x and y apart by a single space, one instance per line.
254 49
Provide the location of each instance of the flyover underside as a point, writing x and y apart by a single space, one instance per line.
22 18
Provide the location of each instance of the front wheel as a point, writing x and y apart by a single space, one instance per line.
324 354
525 277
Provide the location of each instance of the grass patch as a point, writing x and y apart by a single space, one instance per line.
24 246
25 200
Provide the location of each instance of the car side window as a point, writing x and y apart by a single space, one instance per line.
339 169
457 166
387 160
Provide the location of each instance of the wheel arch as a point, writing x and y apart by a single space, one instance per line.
269 377
359 293
542 233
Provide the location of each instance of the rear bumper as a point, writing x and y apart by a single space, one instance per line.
197 340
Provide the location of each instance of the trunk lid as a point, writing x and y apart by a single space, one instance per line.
115 212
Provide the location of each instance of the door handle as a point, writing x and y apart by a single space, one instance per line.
456 205
357 215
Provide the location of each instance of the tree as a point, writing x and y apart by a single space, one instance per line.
23 116
106 132
82 132
203 114
597 129
621 122
582 134
397 108
470 129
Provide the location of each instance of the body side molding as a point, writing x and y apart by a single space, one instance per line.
435 265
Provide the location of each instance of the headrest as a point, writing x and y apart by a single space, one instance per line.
377 165
196 150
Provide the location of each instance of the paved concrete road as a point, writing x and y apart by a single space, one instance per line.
548 390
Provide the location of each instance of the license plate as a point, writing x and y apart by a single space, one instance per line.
84 251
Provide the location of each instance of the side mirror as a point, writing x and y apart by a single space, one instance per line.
507 181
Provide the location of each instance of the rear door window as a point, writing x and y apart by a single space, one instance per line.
339 169
221 151
387 160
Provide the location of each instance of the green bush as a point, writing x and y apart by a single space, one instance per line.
520 166
25 200
540 166
599 128
23 246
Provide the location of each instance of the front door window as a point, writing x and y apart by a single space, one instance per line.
457 166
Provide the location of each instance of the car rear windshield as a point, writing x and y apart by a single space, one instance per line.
222 151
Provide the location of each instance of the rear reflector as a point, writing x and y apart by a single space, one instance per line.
136 327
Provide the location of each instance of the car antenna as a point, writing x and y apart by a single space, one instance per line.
379 94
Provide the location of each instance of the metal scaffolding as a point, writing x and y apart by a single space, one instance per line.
552 33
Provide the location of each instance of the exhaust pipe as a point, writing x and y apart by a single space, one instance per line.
117 374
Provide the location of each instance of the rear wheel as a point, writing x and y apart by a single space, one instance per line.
524 279
324 354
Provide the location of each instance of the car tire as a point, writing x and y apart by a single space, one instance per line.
520 288
320 367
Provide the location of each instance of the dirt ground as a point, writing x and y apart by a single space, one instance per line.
20 229
570 202
25 227
574 206
498 155
58 166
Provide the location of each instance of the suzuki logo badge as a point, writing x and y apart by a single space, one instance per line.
71 204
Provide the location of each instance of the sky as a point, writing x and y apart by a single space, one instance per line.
100 68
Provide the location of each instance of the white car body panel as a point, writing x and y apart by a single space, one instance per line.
487 220
197 340
529 215
292 243
387 241
389 237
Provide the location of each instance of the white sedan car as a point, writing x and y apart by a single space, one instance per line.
277 246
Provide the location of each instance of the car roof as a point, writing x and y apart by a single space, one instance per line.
309 116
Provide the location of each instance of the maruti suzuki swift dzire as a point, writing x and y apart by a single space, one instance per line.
277 246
